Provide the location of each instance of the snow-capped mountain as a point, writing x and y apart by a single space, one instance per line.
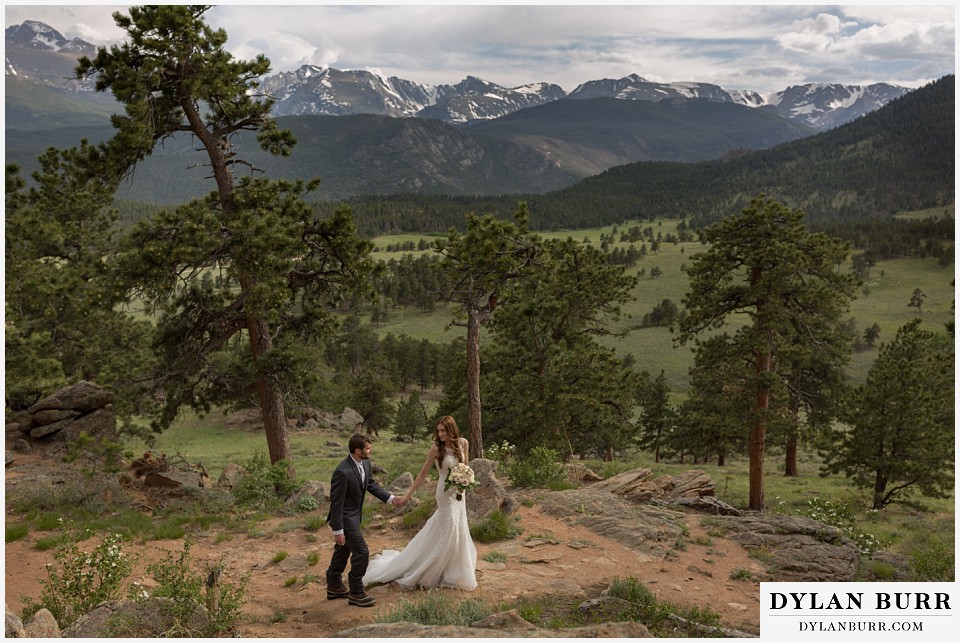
474 99
316 90
37 52
37 35
827 106
822 106
634 87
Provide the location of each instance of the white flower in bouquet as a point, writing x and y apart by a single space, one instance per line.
462 477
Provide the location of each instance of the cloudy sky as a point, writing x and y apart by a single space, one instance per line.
764 48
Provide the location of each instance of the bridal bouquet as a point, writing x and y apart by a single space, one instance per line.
462 477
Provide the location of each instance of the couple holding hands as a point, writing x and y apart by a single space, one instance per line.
442 554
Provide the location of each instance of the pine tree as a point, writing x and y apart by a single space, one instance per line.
475 267
551 381
279 267
765 265
63 323
901 434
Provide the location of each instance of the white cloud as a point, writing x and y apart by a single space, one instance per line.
286 51
814 35
85 32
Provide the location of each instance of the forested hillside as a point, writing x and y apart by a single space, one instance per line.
900 157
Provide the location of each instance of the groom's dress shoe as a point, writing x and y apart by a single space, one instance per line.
337 591
361 600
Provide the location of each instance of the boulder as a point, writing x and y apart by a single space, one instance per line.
319 491
350 420
41 625
489 496
44 430
400 485
49 416
706 504
101 421
82 397
177 478
639 485
83 407
22 446
13 627
230 476
17 420
137 619
579 473
245 420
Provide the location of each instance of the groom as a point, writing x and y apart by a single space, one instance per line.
348 486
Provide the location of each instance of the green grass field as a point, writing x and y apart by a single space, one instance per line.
883 300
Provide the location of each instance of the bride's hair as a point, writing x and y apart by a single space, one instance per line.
453 433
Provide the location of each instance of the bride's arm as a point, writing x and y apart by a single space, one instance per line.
465 447
431 458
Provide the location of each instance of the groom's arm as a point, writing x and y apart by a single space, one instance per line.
338 492
374 487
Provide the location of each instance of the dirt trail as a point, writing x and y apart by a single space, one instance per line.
550 558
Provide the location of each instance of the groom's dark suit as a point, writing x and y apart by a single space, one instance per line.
347 492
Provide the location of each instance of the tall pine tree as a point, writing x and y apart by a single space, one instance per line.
764 268
250 260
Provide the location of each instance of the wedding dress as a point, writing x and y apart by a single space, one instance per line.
442 554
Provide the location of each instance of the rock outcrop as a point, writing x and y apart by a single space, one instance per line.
642 527
158 472
639 485
795 548
83 407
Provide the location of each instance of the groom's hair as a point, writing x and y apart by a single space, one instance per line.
357 441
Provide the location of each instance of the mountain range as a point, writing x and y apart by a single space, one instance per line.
365 134
37 52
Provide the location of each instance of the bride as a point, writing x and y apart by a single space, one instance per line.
442 554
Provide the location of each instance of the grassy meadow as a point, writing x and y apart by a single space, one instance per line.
882 299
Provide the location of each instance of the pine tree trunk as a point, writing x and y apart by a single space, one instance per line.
791 469
879 489
758 434
271 402
473 384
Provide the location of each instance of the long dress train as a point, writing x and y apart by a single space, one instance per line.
442 554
